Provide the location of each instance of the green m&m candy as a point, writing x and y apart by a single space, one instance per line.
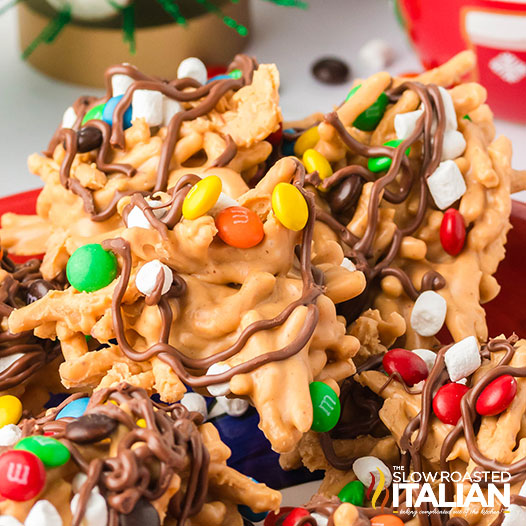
354 493
91 268
325 406
50 451
94 113
369 119
381 164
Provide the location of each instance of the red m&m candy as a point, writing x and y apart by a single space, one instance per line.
452 232
22 475
446 403
275 137
294 516
497 396
273 517
239 227
407 364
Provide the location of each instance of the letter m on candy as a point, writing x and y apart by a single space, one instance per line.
18 473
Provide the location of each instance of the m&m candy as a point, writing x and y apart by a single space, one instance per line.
354 493
314 161
289 206
381 164
369 119
91 268
407 364
74 409
50 451
94 114
22 475
294 516
386 520
306 140
10 410
250 515
275 137
325 406
287 147
446 403
239 227
109 109
452 232
202 197
497 396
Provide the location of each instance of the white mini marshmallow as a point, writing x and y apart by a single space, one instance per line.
462 381
69 118
147 277
223 201
10 434
170 108
321 520
223 388
7 520
120 84
429 313
137 218
78 481
43 513
348 264
7 361
233 406
364 466
463 358
449 109
96 513
516 516
376 54
446 184
405 123
193 68
428 356
196 403
148 104
453 146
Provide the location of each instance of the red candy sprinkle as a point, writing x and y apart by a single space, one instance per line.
239 227
22 475
407 364
294 516
452 232
497 396
446 403
275 137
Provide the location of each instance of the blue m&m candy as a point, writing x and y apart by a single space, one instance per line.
109 108
74 409
287 147
247 513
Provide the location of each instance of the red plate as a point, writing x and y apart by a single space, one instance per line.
504 313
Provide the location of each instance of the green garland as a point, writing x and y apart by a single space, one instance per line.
171 7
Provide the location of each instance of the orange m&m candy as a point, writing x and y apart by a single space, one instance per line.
387 520
239 227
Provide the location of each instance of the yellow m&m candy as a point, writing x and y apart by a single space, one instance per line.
306 140
10 410
202 197
141 423
315 161
289 206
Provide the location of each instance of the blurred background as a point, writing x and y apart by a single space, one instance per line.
32 103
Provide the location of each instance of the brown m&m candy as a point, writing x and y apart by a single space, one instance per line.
331 70
88 138
90 428
144 514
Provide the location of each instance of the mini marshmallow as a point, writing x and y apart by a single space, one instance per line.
364 466
446 184
348 264
7 361
462 381
148 104
453 145
196 403
233 406
120 84
405 123
69 118
321 520
223 388
428 356
376 54
429 313
10 434
78 481
137 218
96 513
147 277
7 520
193 68
223 201
170 108
43 513
463 358
516 516
449 109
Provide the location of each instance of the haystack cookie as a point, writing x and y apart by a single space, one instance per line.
119 458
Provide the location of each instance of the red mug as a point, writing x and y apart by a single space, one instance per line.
494 29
